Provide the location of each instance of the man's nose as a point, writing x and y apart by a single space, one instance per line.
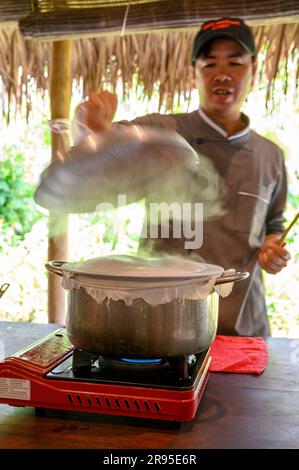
222 77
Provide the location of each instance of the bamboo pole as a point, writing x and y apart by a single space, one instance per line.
60 96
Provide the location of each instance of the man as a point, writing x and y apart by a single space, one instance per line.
245 237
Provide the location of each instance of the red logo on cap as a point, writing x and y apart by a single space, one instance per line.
221 24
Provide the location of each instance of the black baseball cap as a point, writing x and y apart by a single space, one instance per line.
233 28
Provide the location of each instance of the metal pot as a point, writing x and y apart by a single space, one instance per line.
177 328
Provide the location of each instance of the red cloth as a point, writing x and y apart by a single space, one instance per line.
242 355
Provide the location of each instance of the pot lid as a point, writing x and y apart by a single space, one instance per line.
136 268
135 161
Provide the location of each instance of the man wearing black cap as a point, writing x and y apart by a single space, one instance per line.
252 168
224 66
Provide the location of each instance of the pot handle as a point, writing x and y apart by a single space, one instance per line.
225 278
55 267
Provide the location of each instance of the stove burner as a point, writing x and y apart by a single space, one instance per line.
141 361
85 364
133 364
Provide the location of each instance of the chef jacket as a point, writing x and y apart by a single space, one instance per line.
253 172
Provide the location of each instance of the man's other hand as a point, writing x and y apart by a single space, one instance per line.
272 256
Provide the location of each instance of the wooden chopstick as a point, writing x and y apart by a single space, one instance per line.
288 229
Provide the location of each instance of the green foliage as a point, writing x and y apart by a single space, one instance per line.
17 212
279 324
46 136
293 199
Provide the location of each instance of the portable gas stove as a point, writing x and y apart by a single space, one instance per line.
51 373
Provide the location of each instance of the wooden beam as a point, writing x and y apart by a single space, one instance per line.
140 18
60 96
11 11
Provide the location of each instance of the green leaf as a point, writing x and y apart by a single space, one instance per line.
4 186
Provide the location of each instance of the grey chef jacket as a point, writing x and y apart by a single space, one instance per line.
253 172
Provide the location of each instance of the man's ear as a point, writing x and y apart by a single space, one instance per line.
192 76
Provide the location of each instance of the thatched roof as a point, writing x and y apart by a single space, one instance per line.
53 19
160 58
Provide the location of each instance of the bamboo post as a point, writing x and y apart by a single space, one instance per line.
60 96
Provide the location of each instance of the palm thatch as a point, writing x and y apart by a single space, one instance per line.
113 50
156 59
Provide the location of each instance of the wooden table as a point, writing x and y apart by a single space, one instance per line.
236 412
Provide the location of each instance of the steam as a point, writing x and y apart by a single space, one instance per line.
135 163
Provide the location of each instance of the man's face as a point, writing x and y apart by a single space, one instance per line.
224 77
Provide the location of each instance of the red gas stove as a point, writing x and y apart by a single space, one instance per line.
51 373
